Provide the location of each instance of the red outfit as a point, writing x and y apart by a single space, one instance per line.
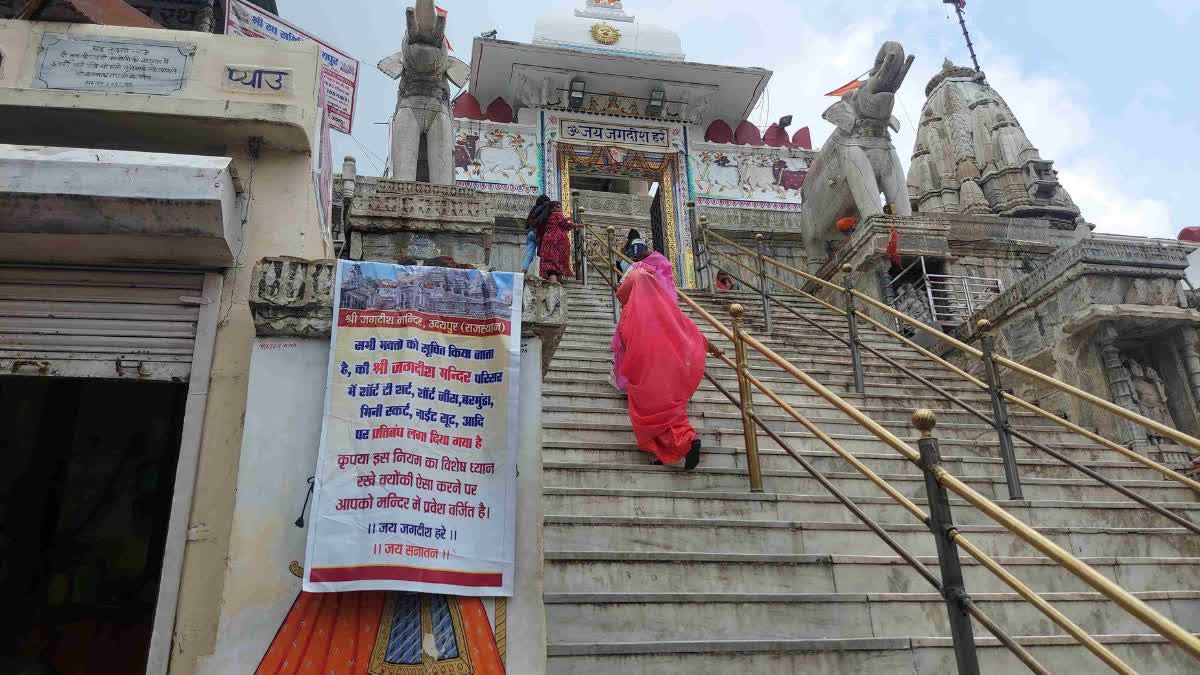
554 247
663 362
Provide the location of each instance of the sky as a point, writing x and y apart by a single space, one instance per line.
1092 83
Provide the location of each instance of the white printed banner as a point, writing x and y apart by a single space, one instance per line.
416 475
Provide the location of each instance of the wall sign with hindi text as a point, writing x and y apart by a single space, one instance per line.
339 72
257 79
117 65
592 131
416 474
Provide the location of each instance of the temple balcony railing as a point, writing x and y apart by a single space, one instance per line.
944 300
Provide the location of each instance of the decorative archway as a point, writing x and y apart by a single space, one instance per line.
621 161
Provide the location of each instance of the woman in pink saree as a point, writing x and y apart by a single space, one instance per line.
658 356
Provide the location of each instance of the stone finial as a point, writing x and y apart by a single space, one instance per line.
847 269
737 311
924 420
758 237
983 326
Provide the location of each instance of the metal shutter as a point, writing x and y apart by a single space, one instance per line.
110 323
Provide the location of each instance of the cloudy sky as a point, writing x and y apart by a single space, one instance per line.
1093 83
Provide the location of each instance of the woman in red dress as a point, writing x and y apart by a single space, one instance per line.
554 248
661 363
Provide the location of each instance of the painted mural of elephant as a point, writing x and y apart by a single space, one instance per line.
858 161
423 103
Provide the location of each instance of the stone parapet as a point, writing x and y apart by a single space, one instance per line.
293 297
1094 256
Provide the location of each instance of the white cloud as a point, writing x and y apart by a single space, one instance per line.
1105 202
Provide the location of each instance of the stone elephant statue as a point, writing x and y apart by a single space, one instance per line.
424 68
858 161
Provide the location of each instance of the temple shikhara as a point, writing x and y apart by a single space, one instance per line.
947 422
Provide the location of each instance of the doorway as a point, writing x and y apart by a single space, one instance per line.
643 206
85 501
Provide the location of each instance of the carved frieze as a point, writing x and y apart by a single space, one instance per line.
293 297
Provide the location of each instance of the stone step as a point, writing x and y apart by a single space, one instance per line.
705 479
587 571
832 422
602 359
666 616
1151 655
602 434
588 380
576 532
825 374
742 505
711 400
776 460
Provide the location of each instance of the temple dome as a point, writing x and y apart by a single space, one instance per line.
972 156
604 27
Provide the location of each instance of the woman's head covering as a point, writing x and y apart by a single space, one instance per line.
538 213
638 250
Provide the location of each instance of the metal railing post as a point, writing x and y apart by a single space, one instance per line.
852 327
987 344
577 238
710 273
745 392
941 521
583 258
762 283
612 270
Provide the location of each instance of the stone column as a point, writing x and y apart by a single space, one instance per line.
1189 345
1120 387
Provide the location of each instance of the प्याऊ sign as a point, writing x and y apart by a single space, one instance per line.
415 484
338 71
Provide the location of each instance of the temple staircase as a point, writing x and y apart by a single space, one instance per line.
649 569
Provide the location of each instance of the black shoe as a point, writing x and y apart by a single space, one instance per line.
656 462
692 460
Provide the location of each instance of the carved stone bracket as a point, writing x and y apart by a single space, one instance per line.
293 297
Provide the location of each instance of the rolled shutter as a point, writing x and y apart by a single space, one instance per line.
83 322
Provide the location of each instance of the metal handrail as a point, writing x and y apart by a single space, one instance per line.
964 600
1161 429
1127 601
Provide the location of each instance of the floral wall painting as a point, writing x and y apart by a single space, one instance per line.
766 178
497 158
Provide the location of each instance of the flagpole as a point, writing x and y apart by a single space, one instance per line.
958 9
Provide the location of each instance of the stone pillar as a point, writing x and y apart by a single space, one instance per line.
1189 344
526 620
1120 387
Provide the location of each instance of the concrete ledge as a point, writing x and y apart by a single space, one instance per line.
155 207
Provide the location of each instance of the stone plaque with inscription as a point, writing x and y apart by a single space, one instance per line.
86 63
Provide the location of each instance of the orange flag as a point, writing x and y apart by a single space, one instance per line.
848 87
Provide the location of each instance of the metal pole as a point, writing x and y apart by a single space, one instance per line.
576 238
987 344
745 392
710 274
762 282
612 270
852 326
583 259
954 591
695 230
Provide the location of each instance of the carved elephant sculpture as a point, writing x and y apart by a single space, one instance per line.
423 67
858 161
